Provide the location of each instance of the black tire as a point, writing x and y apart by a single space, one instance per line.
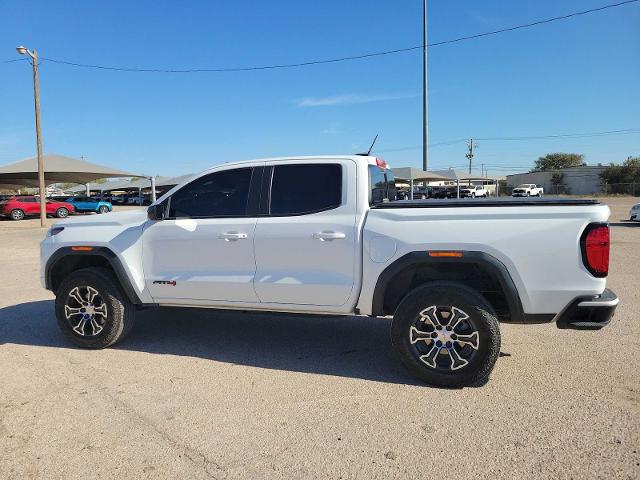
103 209
62 212
17 214
119 315
414 350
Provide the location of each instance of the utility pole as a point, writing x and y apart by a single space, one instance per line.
425 103
36 95
469 154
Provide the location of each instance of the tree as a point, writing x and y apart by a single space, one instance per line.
556 180
628 172
557 161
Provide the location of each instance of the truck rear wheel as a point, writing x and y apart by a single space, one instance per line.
446 335
91 309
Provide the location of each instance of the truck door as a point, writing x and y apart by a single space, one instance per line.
204 249
305 245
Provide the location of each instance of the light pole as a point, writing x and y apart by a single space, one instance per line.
425 103
36 96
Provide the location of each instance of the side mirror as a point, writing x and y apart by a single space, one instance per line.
156 212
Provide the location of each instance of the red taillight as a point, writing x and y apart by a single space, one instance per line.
595 249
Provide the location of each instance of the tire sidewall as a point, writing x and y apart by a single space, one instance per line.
116 302
479 311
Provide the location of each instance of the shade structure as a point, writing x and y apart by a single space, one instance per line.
173 181
57 169
411 174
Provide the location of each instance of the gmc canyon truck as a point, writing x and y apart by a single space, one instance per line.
325 236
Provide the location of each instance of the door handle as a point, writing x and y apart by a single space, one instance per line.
328 236
232 236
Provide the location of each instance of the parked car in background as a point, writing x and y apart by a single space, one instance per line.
58 198
445 191
117 199
419 193
20 207
473 191
634 213
528 190
89 204
134 199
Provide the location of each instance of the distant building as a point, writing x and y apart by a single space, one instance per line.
583 180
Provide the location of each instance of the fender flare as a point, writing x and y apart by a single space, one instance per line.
65 253
488 262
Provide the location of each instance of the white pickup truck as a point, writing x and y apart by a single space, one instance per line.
473 191
528 190
323 235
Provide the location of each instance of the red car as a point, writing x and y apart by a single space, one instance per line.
18 208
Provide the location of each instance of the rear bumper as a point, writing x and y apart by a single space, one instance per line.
589 313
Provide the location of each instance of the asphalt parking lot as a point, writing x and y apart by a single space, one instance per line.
200 394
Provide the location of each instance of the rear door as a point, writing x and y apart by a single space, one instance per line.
305 246
30 205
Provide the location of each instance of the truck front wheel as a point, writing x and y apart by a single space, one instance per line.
91 309
446 335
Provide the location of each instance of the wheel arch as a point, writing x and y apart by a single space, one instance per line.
478 270
65 261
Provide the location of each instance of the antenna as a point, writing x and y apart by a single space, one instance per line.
372 144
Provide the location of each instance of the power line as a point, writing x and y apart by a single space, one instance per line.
340 59
629 131
566 135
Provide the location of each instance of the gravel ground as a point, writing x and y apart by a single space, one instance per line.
199 394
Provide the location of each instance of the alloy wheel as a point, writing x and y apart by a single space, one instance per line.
85 311
444 338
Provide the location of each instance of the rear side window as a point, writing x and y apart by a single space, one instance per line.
304 189
382 185
220 194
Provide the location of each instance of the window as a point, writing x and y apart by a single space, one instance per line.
304 189
382 185
220 194
27 199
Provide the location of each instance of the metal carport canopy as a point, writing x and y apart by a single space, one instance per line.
411 174
57 169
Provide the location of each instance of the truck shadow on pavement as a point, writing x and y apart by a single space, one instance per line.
357 347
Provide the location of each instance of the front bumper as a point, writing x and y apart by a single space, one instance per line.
589 313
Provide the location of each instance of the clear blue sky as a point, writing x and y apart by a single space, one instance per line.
578 75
